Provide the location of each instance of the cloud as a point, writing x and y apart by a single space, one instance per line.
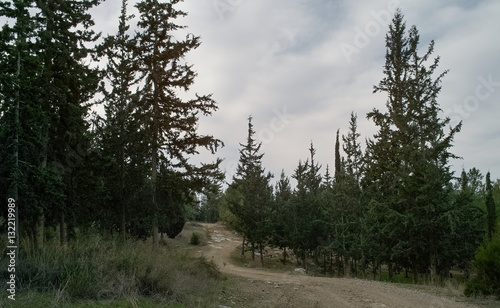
259 56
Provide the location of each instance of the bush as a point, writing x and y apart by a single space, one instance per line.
195 239
487 265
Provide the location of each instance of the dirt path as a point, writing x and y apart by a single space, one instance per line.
298 290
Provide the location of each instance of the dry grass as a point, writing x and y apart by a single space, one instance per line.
99 269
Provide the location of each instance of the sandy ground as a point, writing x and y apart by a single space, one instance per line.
262 288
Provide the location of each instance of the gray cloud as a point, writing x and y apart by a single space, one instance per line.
259 56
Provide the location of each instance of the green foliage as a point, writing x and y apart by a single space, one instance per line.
487 265
195 239
230 197
208 210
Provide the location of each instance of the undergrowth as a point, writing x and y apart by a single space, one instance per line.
98 270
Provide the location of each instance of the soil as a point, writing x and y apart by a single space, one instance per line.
258 287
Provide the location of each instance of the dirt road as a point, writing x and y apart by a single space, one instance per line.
291 289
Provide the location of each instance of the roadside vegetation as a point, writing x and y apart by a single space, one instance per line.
100 271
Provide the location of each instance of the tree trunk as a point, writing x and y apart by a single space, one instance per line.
123 222
347 270
156 237
40 232
339 265
433 268
304 264
415 272
261 254
154 220
62 229
243 247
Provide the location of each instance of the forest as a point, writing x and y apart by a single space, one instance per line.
126 173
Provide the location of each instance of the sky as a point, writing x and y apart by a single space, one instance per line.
300 67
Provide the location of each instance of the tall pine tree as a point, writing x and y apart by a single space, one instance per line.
418 153
168 122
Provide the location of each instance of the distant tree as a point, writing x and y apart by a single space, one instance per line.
230 197
251 181
466 227
282 215
308 230
352 149
349 191
490 207
338 163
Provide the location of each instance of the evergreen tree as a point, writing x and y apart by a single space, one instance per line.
281 216
69 85
490 207
120 140
352 149
16 77
308 230
253 184
349 191
338 164
168 122
419 149
53 85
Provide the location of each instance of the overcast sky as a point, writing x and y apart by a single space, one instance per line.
299 67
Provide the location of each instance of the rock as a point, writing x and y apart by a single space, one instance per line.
300 270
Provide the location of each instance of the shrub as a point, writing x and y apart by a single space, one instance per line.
195 239
487 265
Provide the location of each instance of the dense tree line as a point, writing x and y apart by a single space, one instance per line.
395 205
71 169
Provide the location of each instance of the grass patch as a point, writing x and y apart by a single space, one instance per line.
99 272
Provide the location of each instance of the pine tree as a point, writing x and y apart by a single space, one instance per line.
349 191
70 83
490 207
168 122
254 186
308 230
119 132
281 215
338 163
418 154
14 78
466 227
352 149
